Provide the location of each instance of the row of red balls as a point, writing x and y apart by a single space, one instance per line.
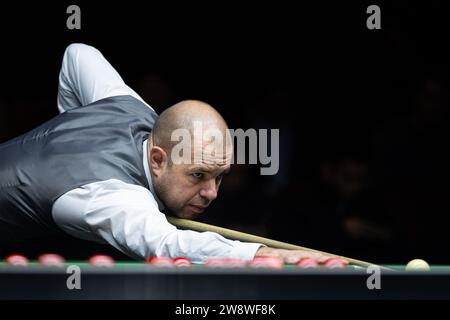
51 259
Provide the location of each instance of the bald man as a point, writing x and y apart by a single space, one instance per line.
104 170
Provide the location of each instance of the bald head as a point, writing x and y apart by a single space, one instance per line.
189 151
183 115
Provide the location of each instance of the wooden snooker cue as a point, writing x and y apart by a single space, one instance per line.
242 236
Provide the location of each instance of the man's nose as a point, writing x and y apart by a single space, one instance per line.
209 190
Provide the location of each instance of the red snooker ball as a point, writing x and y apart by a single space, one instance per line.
335 263
51 259
101 260
307 263
163 262
182 262
16 260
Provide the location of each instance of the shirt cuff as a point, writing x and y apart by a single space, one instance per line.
245 250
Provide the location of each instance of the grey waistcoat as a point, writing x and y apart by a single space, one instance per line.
92 143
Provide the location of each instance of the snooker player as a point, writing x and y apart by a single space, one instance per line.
101 171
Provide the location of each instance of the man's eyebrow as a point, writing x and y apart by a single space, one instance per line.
199 168
207 170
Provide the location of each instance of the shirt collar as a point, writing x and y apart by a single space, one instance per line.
149 177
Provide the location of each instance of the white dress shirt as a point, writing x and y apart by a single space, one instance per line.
124 215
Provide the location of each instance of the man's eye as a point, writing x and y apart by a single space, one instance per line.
197 175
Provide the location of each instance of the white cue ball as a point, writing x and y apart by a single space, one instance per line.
418 264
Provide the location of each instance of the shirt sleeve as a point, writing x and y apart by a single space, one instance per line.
127 217
86 76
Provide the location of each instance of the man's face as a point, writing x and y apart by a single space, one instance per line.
188 189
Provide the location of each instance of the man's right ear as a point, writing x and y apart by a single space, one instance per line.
158 160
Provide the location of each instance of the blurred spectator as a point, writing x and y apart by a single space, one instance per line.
333 212
411 172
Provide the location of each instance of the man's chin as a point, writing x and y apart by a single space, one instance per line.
188 213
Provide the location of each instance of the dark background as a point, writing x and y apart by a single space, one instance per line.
363 114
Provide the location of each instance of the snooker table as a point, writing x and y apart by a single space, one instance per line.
136 280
